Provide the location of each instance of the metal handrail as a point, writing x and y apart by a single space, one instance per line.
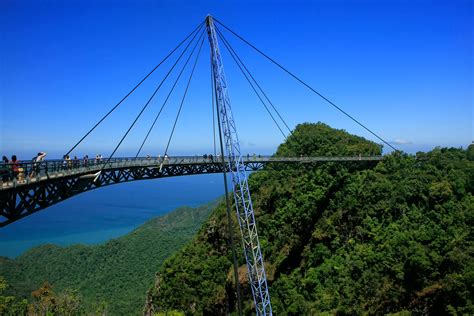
51 168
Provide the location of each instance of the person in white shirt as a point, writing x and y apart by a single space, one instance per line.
36 163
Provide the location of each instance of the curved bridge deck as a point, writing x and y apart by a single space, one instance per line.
40 185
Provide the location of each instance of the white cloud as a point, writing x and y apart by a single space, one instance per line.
399 141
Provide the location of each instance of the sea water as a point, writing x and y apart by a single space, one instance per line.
109 212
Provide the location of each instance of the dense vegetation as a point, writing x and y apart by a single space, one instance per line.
112 277
341 238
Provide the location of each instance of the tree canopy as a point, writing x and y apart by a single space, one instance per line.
341 238
112 277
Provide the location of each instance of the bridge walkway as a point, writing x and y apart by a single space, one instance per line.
54 169
43 184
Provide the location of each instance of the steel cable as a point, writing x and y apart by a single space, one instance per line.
184 97
149 100
169 94
213 104
306 85
252 86
128 94
253 78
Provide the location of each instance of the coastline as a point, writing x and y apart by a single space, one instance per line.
111 212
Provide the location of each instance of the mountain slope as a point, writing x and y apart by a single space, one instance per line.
346 238
117 273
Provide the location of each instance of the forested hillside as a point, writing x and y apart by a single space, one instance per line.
111 278
341 238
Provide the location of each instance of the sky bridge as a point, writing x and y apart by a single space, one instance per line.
30 187
45 183
73 91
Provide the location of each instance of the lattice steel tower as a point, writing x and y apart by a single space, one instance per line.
243 202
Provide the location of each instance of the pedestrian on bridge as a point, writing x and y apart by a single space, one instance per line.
5 170
16 168
36 163
98 158
66 162
75 163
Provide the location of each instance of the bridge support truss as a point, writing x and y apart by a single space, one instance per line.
243 201
53 182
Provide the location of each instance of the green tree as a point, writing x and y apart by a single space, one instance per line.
389 237
10 305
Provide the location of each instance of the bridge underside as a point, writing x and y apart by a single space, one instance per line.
25 198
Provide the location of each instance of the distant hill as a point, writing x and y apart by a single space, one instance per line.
116 274
341 239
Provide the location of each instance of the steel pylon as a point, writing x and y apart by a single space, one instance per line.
243 201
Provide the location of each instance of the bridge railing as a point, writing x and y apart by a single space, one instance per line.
26 171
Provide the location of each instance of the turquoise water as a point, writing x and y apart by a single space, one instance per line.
13 248
99 215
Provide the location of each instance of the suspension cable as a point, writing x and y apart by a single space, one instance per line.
213 104
253 78
169 94
307 85
227 199
149 100
253 87
184 97
131 91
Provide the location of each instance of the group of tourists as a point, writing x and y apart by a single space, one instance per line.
69 163
209 157
165 158
12 168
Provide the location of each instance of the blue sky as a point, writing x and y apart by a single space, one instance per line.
403 68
